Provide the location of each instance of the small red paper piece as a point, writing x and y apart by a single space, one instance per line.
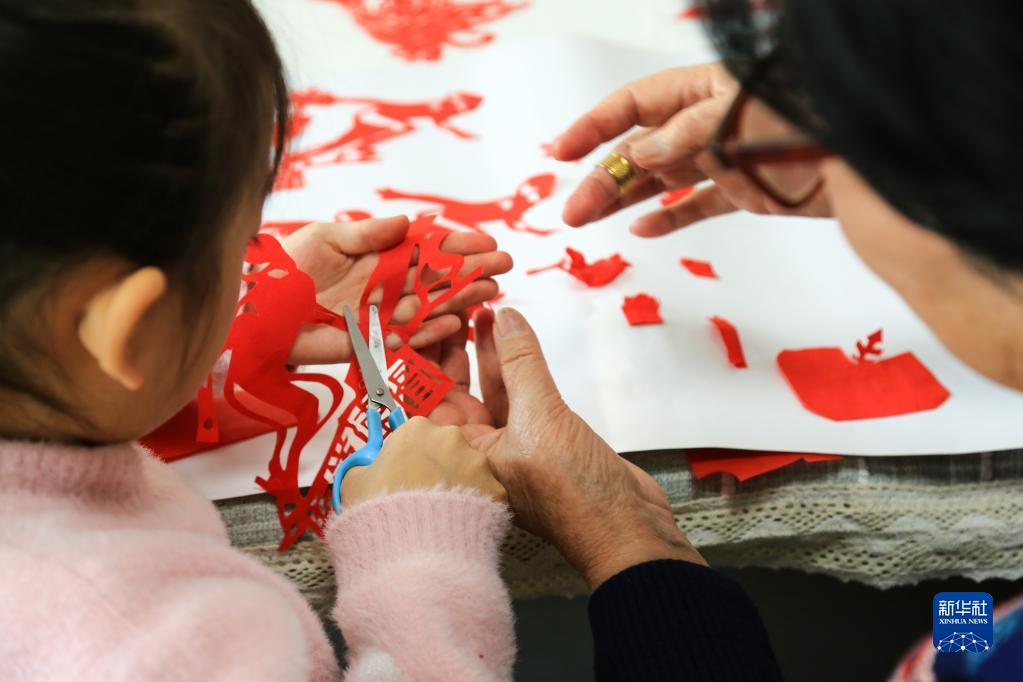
596 274
730 337
676 195
700 268
832 385
374 122
419 30
693 13
473 215
642 309
745 464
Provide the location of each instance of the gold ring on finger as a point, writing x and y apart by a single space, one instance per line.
620 168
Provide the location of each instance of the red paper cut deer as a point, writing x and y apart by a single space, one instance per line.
420 29
378 121
473 215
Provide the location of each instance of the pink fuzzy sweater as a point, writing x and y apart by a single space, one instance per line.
112 568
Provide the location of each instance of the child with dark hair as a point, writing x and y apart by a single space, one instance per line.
137 158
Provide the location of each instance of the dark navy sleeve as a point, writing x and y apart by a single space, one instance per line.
675 620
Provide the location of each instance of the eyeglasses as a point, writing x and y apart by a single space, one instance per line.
769 151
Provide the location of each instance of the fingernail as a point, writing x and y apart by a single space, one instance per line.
649 149
510 323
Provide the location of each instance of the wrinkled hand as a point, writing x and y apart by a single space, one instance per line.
564 482
341 257
680 110
422 456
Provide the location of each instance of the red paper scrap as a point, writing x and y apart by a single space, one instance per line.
676 195
375 122
693 13
473 215
832 385
642 309
730 337
418 30
596 274
745 464
700 268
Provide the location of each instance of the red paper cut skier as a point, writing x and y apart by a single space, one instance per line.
285 227
832 385
420 29
473 215
596 274
375 122
642 309
700 268
730 337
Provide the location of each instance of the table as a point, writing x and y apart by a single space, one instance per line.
882 521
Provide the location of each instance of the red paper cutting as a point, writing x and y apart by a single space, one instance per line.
642 309
693 13
419 30
596 274
260 392
675 196
700 268
419 384
473 215
745 464
374 122
832 385
730 337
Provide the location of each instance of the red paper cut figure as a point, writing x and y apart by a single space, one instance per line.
286 227
596 274
832 385
280 301
473 215
700 268
419 384
730 337
642 309
420 29
675 196
375 122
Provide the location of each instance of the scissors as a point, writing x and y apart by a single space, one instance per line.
373 365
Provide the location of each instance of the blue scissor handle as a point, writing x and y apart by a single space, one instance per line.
368 453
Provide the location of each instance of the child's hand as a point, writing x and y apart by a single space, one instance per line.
340 257
422 456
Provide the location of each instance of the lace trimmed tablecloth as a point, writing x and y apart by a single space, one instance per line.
883 521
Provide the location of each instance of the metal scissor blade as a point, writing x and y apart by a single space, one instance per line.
376 386
376 340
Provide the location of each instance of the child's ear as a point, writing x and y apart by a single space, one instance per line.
112 317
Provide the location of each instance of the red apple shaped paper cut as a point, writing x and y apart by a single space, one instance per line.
834 386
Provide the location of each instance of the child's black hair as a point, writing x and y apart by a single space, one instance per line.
132 128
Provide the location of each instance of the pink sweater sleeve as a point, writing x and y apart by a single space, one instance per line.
419 592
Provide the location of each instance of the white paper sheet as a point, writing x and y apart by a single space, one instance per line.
784 283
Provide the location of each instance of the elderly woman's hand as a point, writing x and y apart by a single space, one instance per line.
680 110
564 482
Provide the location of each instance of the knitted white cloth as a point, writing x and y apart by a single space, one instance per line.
881 521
